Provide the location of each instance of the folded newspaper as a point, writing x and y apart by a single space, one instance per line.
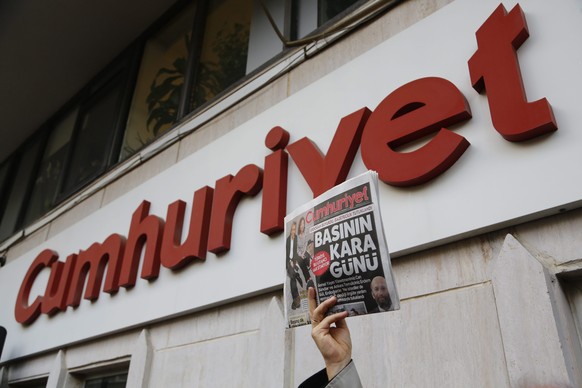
336 244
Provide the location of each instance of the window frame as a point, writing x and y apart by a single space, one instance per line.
105 375
296 13
34 382
122 68
571 285
9 163
17 157
103 369
127 65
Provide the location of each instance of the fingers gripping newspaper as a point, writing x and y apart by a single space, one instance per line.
336 244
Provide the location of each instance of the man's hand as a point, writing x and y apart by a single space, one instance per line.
334 343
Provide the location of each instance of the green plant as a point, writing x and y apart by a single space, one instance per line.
230 48
164 97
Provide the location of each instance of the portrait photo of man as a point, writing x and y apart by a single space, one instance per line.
380 294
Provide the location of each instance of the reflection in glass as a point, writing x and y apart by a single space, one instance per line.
51 168
94 136
15 202
4 168
223 57
328 9
117 381
159 83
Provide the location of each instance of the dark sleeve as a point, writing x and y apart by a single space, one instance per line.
346 378
318 380
2 338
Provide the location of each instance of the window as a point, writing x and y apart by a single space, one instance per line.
51 167
70 150
328 9
5 169
94 135
572 287
309 15
224 47
35 383
193 58
157 95
16 195
196 55
105 374
115 381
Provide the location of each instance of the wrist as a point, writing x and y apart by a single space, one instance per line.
332 369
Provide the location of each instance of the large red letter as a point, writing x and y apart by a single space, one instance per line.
274 205
24 312
227 194
92 262
324 172
175 255
494 68
57 289
409 113
144 228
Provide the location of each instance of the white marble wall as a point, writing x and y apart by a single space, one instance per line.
483 312
479 313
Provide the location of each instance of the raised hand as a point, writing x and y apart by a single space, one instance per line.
334 341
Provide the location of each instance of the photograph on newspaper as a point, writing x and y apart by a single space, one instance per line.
336 244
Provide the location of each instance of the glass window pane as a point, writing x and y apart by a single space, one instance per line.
94 137
159 83
38 383
4 168
328 9
223 58
17 195
304 18
308 15
117 381
51 168
264 43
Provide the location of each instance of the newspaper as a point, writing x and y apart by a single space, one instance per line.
336 244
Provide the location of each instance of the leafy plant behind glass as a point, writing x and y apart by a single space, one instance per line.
230 48
164 96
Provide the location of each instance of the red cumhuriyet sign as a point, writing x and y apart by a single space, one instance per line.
422 107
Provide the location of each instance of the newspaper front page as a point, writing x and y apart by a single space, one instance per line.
336 244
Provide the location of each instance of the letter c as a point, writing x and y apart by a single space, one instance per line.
27 313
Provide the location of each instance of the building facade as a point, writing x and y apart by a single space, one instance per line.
156 258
